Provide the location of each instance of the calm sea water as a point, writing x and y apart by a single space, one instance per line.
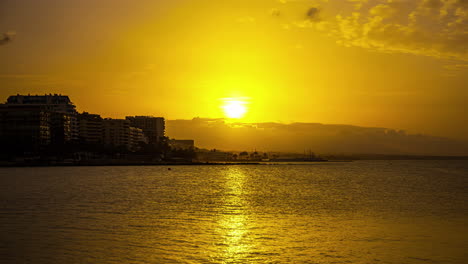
359 212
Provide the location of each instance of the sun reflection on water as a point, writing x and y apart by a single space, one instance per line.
234 218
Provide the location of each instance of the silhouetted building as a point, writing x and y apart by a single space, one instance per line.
186 144
31 124
90 128
243 156
61 128
153 127
214 155
119 133
50 125
137 137
53 103
116 132
25 126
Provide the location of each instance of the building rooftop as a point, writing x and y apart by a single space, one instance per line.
49 99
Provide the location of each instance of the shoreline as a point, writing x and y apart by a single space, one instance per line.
129 164
7 164
123 164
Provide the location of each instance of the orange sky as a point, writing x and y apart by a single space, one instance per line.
399 64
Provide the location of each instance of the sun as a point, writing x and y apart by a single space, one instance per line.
234 108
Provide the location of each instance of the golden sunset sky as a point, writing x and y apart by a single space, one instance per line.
398 64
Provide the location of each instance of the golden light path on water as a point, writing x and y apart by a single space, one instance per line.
234 220
360 212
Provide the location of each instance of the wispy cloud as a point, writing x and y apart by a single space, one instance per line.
437 28
456 67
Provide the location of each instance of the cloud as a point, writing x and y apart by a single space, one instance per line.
321 138
275 12
6 38
313 13
456 67
437 28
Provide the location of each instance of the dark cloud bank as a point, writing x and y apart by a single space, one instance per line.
320 138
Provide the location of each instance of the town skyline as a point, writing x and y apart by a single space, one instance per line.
68 126
400 64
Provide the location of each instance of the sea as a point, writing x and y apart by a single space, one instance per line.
325 212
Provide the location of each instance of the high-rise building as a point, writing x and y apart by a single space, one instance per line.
65 113
136 138
116 132
153 127
25 126
90 128
119 133
61 128
55 102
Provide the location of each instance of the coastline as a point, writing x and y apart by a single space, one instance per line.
123 163
118 164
